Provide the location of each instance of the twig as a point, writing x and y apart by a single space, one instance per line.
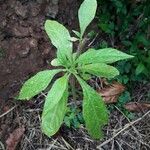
52 145
67 144
8 111
43 94
81 45
28 141
127 144
93 40
136 131
2 146
78 103
140 141
123 129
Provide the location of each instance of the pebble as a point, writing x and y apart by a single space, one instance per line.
34 10
24 53
21 10
20 31
33 43
51 10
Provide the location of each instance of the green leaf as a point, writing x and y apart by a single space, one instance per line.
76 33
100 69
106 55
74 39
86 76
52 121
55 106
60 38
36 84
140 68
55 94
95 112
86 14
74 56
55 62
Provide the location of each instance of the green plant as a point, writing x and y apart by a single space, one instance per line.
76 65
73 117
127 25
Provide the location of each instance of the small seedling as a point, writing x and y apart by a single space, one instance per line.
76 65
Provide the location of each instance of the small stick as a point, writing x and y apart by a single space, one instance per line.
67 144
123 129
8 111
136 131
93 40
2 146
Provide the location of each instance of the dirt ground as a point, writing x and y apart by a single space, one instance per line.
24 50
25 46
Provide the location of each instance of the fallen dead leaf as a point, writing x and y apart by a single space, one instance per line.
111 92
14 138
137 107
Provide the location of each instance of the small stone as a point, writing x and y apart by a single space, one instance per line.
8 71
20 31
46 51
21 10
33 43
24 53
3 21
51 10
35 10
11 58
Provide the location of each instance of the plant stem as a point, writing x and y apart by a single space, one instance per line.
81 46
72 82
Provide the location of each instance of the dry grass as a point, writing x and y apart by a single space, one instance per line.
120 133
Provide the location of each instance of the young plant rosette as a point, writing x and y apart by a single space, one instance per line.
75 65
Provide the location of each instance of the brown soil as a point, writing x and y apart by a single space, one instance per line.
25 46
